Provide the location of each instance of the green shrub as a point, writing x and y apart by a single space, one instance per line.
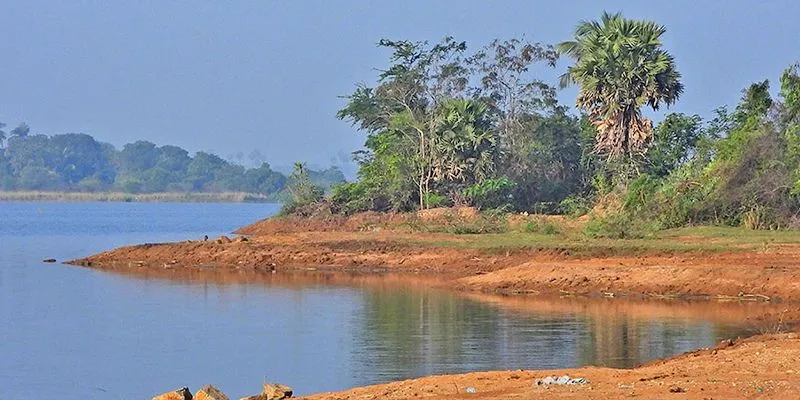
482 224
302 193
549 229
575 206
487 222
435 200
349 198
545 227
616 226
490 193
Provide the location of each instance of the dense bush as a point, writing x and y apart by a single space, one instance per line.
742 172
490 193
303 194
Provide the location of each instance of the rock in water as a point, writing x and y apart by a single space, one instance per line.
272 391
180 394
276 391
209 392
49 260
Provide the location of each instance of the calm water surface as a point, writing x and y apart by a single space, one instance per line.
90 334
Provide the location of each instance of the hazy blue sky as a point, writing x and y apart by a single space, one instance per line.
241 75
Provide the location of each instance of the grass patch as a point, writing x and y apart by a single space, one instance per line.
674 241
734 235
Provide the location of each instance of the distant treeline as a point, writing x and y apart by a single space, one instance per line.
76 162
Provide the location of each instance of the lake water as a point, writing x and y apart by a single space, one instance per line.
88 334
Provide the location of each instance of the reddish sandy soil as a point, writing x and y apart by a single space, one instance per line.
755 368
748 275
759 367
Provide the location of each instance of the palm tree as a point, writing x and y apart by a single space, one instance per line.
620 67
464 147
22 130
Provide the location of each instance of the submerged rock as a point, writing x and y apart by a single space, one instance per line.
180 394
209 392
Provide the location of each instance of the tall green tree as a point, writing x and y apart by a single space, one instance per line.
673 142
620 66
790 94
755 104
522 107
401 112
509 87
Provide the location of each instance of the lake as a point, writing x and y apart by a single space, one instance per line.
92 334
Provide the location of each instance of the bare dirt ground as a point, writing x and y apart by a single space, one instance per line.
762 367
484 265
754 275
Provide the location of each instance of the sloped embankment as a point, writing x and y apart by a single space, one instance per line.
763 367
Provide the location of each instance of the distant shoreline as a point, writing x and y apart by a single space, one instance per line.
167 197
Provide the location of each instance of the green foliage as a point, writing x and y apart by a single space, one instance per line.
464 148
429 131
620 67
575 206
640 193
673 142
790 93
350 197
545 159
490 193
22 130
434 200
77 162
740 173
616 226
387 171
302 192
401 117
756 102
543 227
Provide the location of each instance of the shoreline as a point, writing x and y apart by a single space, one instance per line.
679 266
121 197
763 366
739 274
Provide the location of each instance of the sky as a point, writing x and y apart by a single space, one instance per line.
268 75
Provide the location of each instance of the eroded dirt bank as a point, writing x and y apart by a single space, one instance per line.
748 274
758 367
